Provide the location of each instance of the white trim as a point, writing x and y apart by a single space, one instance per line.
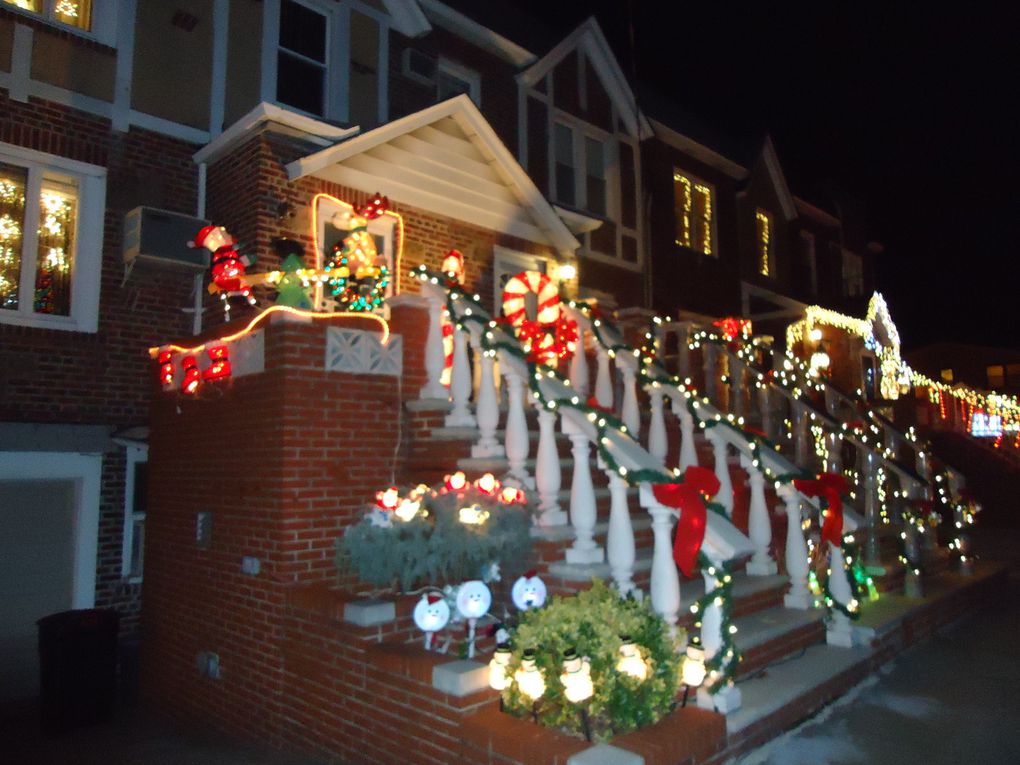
518 261
589 38
125 65
21 63
522 125
87 264
778 179
578 222
167 127
133 454
383 72
702 153
407 18
478 131
85 470
463 73
218 95
483 37
591 254
270 42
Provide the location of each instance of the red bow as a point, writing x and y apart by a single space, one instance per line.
687 497
593 402
831 487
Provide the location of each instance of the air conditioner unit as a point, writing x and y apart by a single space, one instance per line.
420 66
160 237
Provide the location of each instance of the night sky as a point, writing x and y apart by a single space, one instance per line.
907 109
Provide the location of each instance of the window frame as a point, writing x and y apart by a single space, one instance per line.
102 29
712 225
463 73
86 274
580 131
336 99
847 257
134 455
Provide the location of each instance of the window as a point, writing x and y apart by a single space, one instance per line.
946 375
301 62
452 79
1013 375
75 13
996 376
136 492
763 242
51 213
694 206
574 149
853 274
335 227
810 260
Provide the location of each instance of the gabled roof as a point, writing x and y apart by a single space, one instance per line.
408 18
446 159
477 31
775 171
589 38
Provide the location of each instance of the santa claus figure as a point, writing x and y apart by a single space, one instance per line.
228 266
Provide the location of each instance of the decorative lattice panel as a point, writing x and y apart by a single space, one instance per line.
357 351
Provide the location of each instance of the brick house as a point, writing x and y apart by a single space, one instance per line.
276 118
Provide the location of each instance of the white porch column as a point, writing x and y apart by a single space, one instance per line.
738 393
582 499
726 699
620 541
759 525
548 473
708 367
658 444
460 383
487 407
630 414
604 380
665 580
516 427
722 471
872 548
435 358
683 351
688 452
579 364
839 632
765 405
797 568
802 436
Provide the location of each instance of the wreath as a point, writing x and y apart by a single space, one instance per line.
551 335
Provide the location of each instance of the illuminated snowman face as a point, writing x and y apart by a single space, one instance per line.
528 592
431 617
473 599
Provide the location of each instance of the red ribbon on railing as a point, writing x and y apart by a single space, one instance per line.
831 487
689 498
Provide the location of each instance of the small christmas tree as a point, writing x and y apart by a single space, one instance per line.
292 289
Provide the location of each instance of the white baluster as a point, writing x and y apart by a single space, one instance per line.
839 632
834 460
460 383
737 389
487 408
708 366
665 581
872 548
579 364
516 427
688 452
630 413
582 500
658 445
620 542
683 350
801 432
548 472
722 471
765 405
726 699
435 358
759 525
797 568
604 381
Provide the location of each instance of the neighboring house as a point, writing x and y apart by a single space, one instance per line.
978 366
524 151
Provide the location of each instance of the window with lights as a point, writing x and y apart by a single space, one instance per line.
694 207
50 240
75 13
763 238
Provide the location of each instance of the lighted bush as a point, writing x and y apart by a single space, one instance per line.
593 623
456 535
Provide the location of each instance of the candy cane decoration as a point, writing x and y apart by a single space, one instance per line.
447 327
519 286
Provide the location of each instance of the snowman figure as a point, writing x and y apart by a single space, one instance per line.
228 266
529 591
473 601
431 614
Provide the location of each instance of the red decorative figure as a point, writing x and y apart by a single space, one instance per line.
375 206
228 266
166 368
192 377
220 363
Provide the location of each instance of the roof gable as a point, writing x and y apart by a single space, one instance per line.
770 160
589 38
448 160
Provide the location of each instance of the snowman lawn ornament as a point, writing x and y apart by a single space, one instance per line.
473 601
529 591
431 614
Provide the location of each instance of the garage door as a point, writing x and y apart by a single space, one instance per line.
37 563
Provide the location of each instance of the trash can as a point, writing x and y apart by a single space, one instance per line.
77 667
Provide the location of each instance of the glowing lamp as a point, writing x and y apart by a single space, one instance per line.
219 363
166 368
529 591
407 509
512 496
388 499
473 599
456 482
488 484
473 515
568 271
815 335
630 661
694 667
431 614
576 677
498 680
192 377
529 677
